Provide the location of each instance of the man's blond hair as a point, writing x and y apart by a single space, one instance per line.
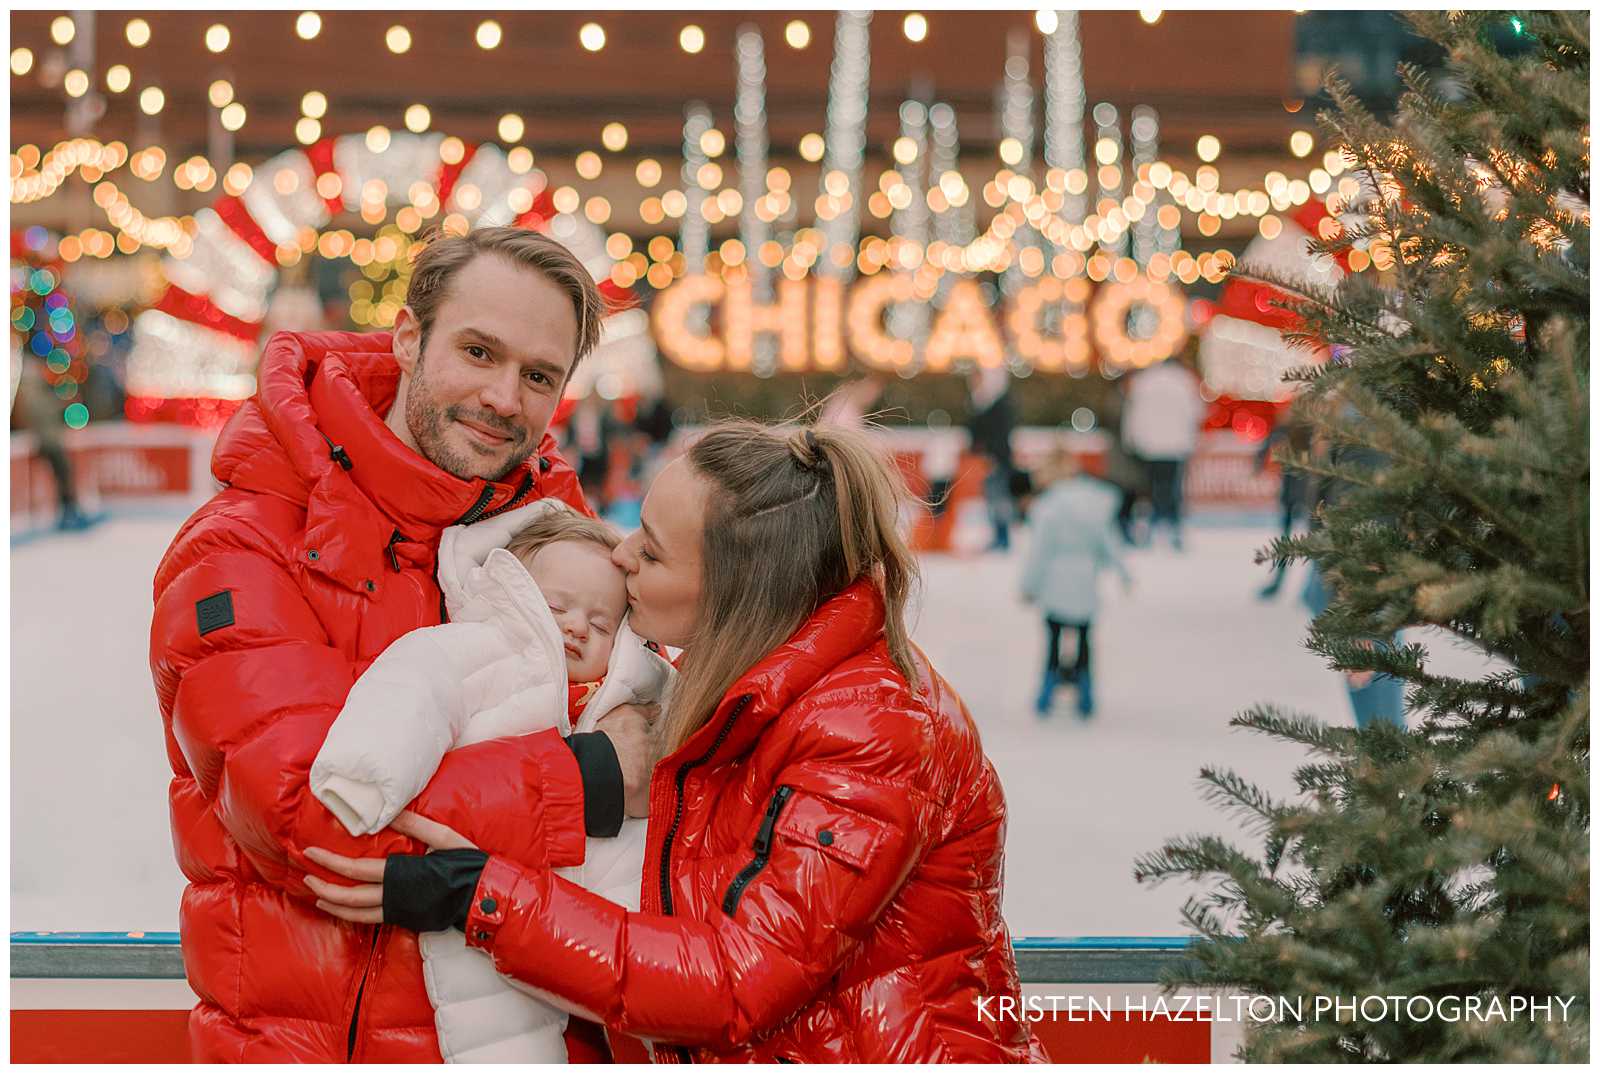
447 254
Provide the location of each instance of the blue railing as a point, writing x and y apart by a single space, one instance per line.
156 955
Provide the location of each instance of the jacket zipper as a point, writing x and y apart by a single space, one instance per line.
355 1016
677 1053
476 511
677 815
762 847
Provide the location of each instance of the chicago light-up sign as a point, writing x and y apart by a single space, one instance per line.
1057 325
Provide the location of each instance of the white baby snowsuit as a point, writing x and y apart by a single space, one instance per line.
498 668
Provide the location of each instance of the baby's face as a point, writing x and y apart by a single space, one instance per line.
588 596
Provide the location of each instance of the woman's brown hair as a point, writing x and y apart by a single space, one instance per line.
794 516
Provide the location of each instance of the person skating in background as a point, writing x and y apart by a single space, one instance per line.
993 417
1373 696
40 412
1161 426
1132 484
1294 491
1073 523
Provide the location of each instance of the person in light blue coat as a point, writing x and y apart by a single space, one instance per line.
1074 538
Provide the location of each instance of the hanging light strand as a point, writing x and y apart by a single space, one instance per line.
1063 108
694 233
750 149
1016 126
846 135
1144 130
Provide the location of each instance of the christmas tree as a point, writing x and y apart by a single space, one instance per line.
1450 860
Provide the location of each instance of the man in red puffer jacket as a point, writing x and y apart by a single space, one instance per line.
340 475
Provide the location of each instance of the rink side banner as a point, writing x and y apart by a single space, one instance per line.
113 462
129 464
121 998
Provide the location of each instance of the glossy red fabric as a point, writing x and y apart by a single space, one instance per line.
321 567
863 930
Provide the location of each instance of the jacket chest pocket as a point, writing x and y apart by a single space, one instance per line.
805 823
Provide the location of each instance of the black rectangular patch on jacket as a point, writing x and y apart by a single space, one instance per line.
215 612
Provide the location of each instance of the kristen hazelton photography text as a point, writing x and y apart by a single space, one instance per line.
1264 1009
584 536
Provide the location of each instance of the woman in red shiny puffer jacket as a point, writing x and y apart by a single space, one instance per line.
823 874
270 602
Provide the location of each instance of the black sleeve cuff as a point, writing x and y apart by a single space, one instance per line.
431 892
602 783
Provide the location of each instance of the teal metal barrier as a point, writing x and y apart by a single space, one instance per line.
156 955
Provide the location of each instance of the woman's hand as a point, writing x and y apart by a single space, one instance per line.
629 729
362 902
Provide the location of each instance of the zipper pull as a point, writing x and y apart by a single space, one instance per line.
763 841
394 557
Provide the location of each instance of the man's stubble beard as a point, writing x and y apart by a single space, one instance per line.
427 422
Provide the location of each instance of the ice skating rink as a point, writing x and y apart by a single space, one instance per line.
1186 649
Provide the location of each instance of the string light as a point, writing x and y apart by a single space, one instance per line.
233 116
1064 102
694 234
417 118
308 25
511 127
750 148
1150 15
846 123
1208 147
152 100
691 39
76 83
118 78
592 37
63 29
614 136
488 34
797 33
1301 143
220 94
217 38
398 39
915 27
137 32
21 61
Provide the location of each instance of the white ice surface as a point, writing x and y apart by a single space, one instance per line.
1188 648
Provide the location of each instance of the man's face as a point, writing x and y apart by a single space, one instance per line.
480 391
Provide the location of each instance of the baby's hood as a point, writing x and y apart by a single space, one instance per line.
476 583
482 582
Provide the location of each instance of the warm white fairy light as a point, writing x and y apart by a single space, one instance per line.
750 150
694 232
911 225
845 137
1064 105
1145 132
954 216
1016 126
1109 177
